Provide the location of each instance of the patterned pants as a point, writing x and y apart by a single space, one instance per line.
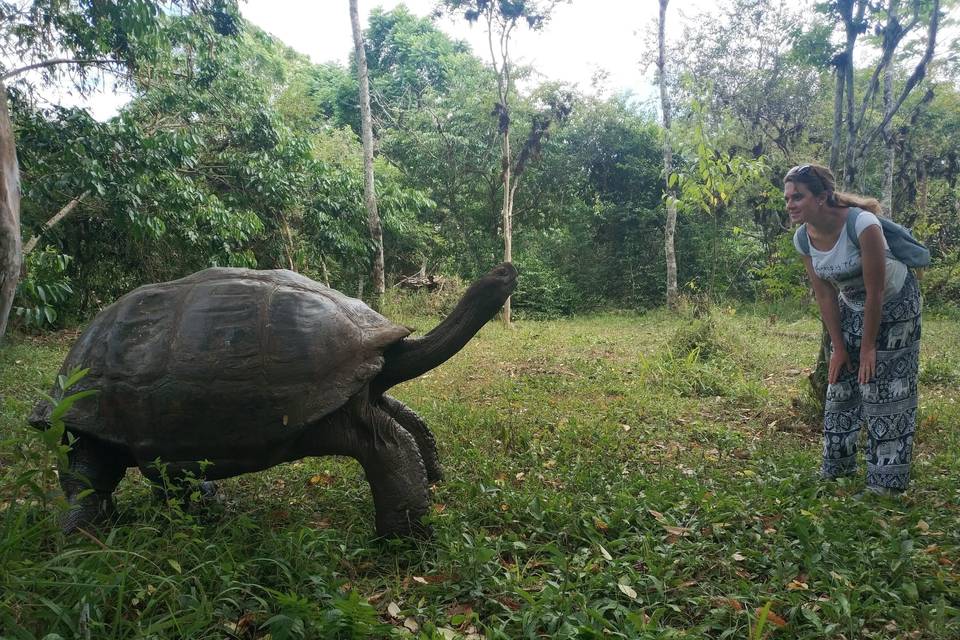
888 401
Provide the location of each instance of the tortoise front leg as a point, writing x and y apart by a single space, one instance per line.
413 423
390 459
94 466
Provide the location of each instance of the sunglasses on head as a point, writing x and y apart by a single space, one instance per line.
799 171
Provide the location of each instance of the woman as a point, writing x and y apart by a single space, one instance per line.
870 304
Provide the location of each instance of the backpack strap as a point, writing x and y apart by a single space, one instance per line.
852 225
803 239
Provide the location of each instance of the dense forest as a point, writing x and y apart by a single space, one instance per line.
237 150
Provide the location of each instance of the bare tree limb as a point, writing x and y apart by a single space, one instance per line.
51 63
919 72
57 217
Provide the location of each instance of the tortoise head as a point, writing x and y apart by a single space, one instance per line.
412 357
488 294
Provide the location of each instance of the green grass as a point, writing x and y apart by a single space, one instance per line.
600 482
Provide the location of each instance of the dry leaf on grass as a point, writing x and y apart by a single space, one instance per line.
628 591
772 618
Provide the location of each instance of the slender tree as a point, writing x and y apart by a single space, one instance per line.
890 144
366 127
9 214
894 24
502 17
670 195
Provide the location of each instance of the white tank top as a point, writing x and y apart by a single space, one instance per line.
843 266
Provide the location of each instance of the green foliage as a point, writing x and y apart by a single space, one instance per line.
46 291
941 282
542 291
783 276
704 359
122 36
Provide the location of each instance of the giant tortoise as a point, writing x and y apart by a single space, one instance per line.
241 370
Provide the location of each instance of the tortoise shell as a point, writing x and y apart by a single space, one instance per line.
223 360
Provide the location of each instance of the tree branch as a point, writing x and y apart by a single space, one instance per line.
51 63
60 215
918 74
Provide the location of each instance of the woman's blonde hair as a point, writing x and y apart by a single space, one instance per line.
820 180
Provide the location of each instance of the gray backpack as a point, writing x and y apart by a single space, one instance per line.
903 245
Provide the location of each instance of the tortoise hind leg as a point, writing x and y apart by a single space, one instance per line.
95 470
413 423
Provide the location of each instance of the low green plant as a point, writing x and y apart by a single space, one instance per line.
45 292
941 371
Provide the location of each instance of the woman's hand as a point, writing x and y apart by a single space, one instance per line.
838 359
868 363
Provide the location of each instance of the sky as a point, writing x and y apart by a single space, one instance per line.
583 37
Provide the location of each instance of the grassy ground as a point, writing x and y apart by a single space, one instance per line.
596 486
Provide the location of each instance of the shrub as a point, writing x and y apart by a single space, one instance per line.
45 292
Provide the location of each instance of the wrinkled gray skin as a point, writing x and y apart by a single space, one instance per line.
249 369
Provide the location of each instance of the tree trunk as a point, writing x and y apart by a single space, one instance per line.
507 213
369 193
848 168
890 139
837 118
671 225
10 255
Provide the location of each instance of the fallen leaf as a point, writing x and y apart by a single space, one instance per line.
600 525
321 479
394 610
923 526
459 610
656 515
411 625
772 618
447 633
420 579
680 532
628 591
739 557
605 553
728 602
796 585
